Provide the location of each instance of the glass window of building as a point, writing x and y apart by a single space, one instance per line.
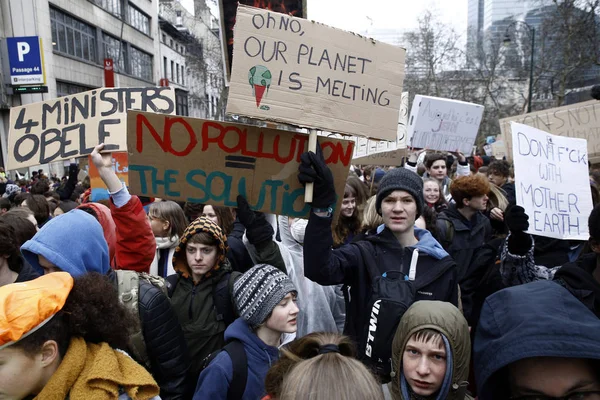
66 88
139 20
111 50
72 36
141 64
181 103
114 7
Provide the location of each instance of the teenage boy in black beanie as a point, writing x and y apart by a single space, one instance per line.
399 261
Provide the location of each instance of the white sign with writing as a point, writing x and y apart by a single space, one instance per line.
552 182
443 124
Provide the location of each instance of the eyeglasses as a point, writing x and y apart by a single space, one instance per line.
591 395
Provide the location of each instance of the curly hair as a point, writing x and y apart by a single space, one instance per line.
92 311
466 187
499 167
320 376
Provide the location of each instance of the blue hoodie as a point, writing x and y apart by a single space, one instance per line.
539 319
214 380
74 242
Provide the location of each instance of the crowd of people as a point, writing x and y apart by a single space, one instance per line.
424 284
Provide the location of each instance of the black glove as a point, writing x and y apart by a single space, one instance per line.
517 221
258 230
313 169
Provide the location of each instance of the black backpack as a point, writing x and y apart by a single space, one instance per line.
221 296
237 353
392 293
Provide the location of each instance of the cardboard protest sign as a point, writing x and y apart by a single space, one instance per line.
552 182
402 122
388 157
443 124
307 74
499 149
71 126
203 161
580 120
120 166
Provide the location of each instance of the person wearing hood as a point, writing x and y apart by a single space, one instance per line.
59 339
126 228
436 168
398 253
201 291
581 277
265 299
322 307
88 251
431 353
536 341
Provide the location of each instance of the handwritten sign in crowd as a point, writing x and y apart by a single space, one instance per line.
120 165
71 126
307 74
443 124
552 182
212 162
581 120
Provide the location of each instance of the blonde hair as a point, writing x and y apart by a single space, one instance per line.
326 373
169 211
308 374
497 198
371 219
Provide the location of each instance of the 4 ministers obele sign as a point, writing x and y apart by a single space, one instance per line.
307 74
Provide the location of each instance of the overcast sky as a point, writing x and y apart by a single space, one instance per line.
352 15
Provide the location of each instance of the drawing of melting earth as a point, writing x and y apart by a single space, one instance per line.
259 78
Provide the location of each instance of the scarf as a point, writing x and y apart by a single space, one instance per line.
162 265
96 371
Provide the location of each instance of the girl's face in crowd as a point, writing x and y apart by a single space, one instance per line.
210 213
424 366
21 375
438 170
348 206
431 192
201 258
399 211
284 316
160 227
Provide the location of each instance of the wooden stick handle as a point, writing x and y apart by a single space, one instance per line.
312 146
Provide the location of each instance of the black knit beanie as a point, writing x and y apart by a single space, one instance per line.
400 179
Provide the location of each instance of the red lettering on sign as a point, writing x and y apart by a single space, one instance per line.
169 122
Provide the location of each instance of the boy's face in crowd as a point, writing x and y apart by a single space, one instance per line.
399 211
201 258
284 316
478 203
348 206
47 265
209 212
497 180
438 170
431 192
424 365
548 377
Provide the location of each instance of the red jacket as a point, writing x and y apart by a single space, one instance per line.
128 234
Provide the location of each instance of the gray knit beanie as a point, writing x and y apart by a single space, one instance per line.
258 291
400 179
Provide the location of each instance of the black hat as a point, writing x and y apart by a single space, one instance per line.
400 179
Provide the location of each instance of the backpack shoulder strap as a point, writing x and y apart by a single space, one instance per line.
222 299
369 259
128 284
237 353
172 281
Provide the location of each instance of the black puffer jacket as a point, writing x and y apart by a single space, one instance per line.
165 343
461 238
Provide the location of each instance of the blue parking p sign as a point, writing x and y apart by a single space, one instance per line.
25 60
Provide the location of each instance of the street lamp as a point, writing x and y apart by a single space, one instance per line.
507 40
